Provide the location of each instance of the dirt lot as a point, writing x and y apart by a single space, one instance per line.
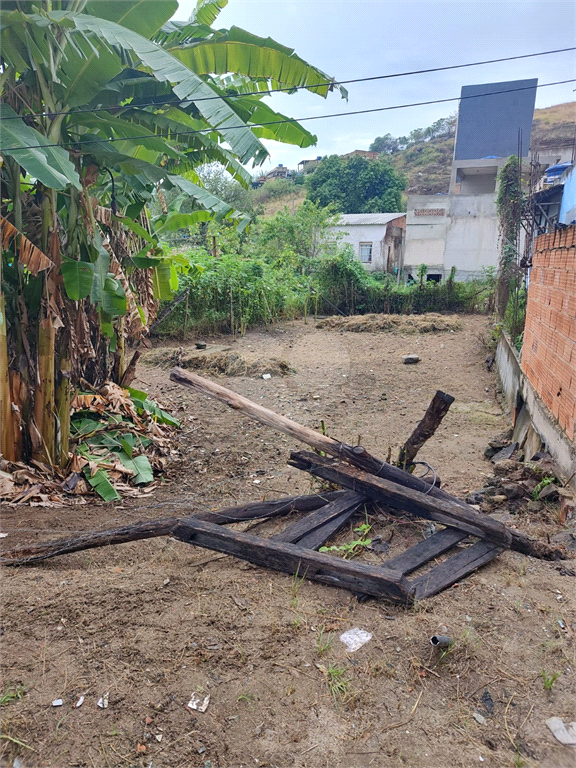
152 622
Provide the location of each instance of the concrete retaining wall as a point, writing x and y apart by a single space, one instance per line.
533 422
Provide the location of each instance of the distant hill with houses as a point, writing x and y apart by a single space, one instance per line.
427 164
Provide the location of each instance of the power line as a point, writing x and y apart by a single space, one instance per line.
73 144
330 83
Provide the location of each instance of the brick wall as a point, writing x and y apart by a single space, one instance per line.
549 348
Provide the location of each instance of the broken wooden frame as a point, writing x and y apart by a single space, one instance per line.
293 550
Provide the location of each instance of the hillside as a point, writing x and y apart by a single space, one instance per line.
427 164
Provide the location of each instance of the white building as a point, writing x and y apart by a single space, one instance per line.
377 238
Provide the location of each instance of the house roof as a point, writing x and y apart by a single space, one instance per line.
357 219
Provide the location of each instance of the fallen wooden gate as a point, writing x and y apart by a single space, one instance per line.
468 538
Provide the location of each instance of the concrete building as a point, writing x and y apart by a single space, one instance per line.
460 229
377 239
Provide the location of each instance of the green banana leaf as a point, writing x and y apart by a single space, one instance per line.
166 67
50 165
78 277
142 16
241 52
101 484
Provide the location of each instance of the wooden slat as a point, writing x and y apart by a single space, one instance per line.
290 558
455 568
401 498
426 550
350 501
316 539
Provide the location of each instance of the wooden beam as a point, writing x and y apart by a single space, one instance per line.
400 498
291 558
147 529
426 550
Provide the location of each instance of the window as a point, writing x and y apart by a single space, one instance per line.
366 253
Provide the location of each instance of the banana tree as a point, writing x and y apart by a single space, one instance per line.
103 105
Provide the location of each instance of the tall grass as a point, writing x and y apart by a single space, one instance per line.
233 292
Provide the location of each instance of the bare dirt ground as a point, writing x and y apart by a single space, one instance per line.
151 622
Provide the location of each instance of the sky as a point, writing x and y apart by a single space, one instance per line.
350 39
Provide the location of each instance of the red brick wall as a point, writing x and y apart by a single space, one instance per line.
549 348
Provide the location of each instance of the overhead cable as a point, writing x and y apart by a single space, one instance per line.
291 89
73 144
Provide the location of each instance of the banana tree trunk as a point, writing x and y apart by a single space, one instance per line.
63 404
7 431
44 405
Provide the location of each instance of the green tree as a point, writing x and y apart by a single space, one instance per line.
105 104
386 145
356 185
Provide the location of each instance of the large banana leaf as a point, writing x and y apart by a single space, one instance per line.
207 11
269 124
244 53
209 202
186 83
50 165
173 123
142 16
111 126
78 277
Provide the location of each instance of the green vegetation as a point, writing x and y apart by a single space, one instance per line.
105 110
356 185
290 266
353 548
338 683
12 694
324 642
549 680
510 287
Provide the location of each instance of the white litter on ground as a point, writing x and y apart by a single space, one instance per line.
355 638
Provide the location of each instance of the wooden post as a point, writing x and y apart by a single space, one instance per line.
437 409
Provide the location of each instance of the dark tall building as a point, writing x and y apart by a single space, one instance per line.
490 116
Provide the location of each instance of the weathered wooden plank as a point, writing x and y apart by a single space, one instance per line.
291 558
319 537
400 498
426 550
350 501
455 568
147 529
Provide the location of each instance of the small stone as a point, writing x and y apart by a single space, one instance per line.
479 718
503 517
513 490
499 498
200 345
505 466
505 453
475 497
534 506
410 359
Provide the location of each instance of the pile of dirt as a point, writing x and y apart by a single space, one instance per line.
427 323
219 362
